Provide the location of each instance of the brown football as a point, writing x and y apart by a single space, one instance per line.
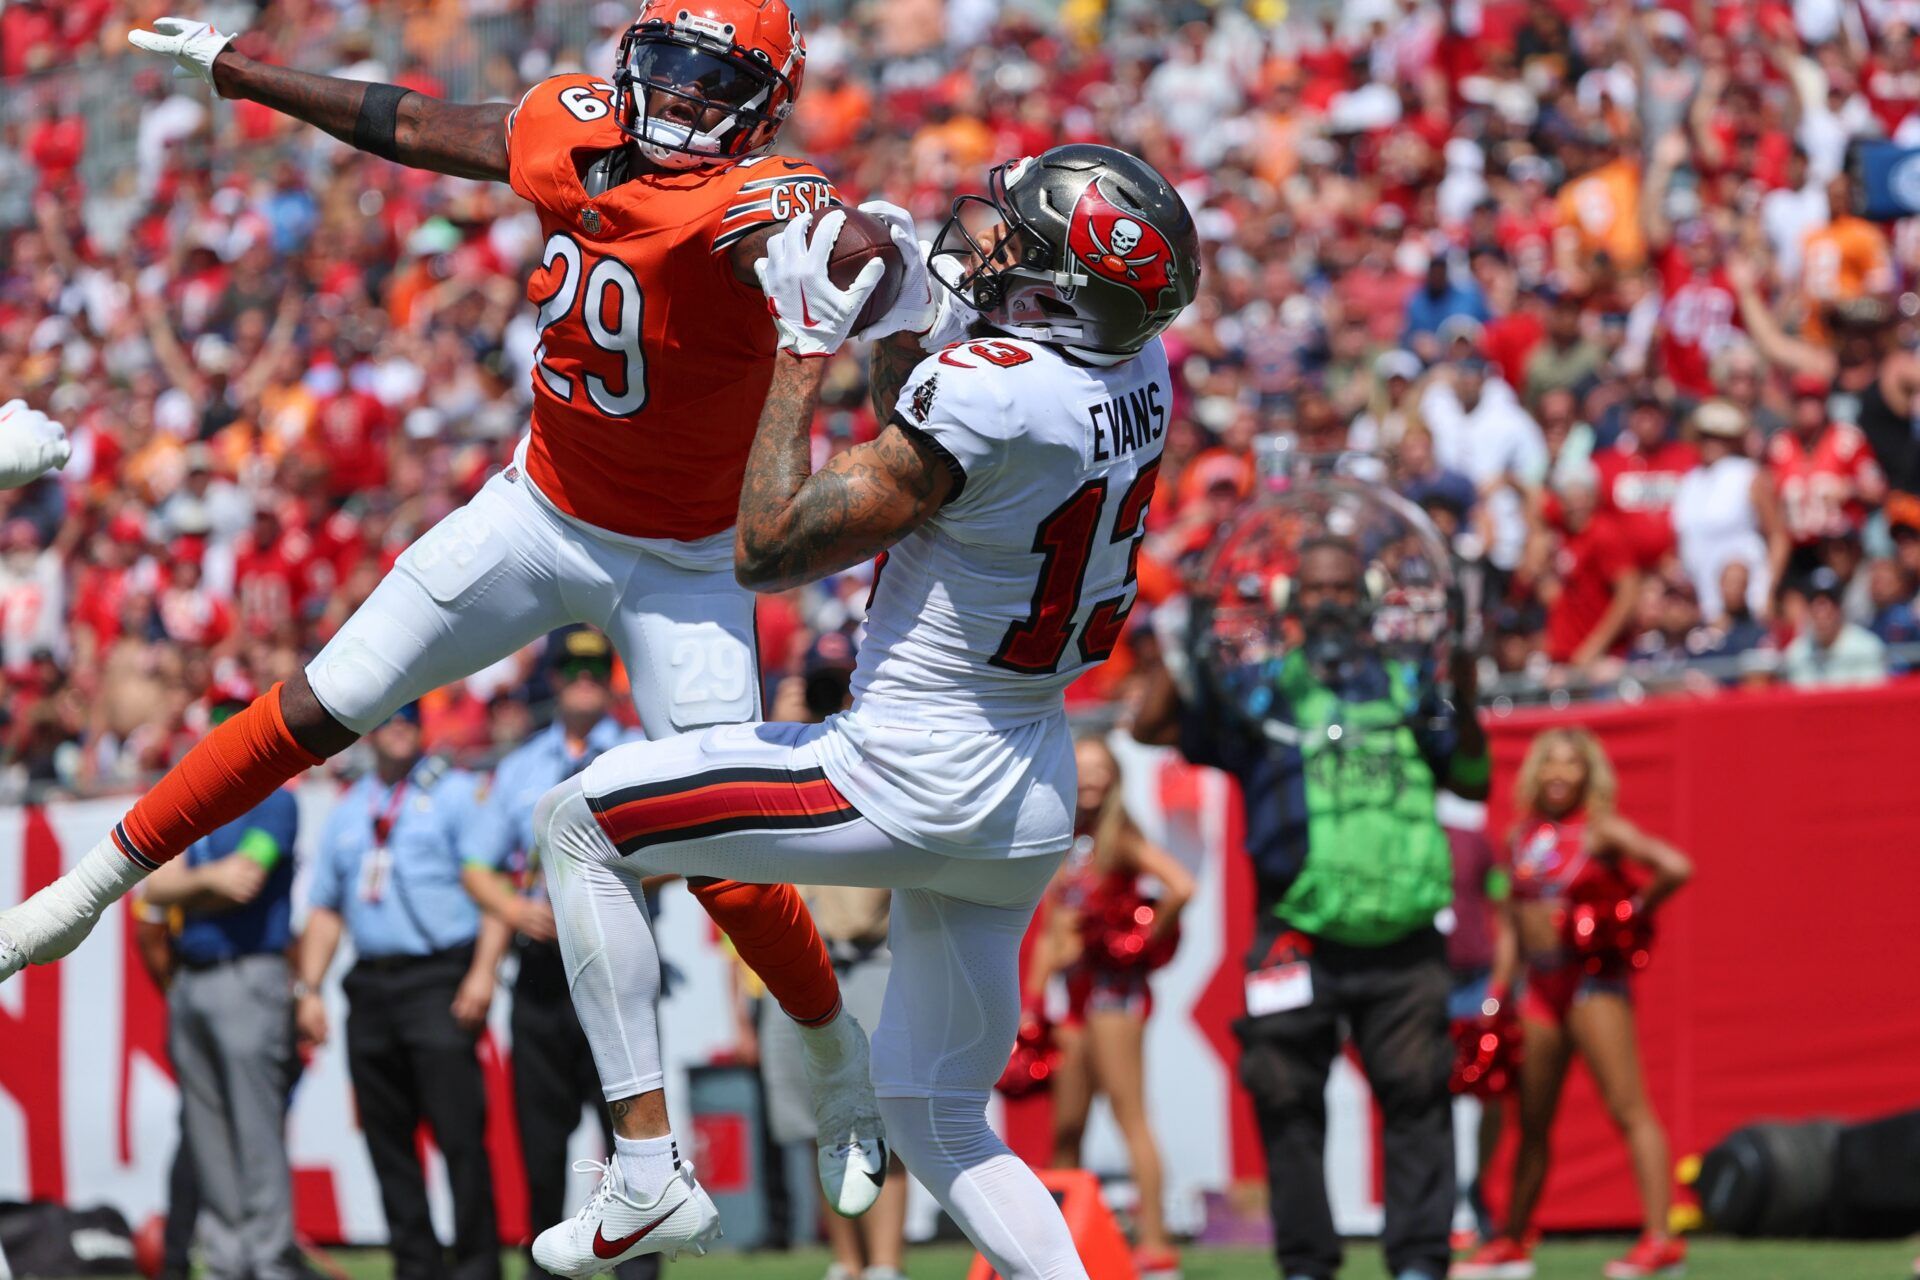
862 239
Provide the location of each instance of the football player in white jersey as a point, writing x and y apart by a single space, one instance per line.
1006 495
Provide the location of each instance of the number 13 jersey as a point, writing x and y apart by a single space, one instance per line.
654 358
982 616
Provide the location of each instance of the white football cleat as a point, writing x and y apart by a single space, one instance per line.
852 1140
59 916
612 1227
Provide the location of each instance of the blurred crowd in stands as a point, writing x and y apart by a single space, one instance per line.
1585 276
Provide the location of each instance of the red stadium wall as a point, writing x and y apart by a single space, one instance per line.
1780 986
1782 980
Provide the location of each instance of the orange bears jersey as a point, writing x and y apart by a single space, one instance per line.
653 358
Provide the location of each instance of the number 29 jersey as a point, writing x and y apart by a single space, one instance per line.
654 358
981 617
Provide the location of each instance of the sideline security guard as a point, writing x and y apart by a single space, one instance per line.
388 875
554 1075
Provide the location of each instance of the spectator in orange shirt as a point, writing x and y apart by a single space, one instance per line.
834 110
1846 259
1601 208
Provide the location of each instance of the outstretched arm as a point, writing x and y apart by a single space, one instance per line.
797 525
446 137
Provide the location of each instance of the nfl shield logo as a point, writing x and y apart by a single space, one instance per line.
590 219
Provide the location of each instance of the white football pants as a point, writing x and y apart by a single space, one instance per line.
750 802
506 569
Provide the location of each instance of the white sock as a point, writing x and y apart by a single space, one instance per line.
646 1165
54 921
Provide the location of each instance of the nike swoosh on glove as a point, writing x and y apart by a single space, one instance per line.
815 316
31 444
190 43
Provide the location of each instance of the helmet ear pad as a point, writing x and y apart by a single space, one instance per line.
1374 584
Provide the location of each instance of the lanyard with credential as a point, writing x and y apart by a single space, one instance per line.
377 872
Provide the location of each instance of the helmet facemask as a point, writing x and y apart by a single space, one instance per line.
690 97
1007 269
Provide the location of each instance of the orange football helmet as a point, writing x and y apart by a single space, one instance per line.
703 82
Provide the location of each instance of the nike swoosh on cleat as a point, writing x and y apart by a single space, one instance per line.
605 1248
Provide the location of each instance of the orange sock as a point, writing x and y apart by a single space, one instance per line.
773 933
228 772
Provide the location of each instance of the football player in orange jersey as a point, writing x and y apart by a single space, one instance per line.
656 195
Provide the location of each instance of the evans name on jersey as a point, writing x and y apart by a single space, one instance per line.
1129 422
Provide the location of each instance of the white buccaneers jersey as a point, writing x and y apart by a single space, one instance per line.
982 617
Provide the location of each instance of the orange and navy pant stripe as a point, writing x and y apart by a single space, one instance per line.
124 842
720 802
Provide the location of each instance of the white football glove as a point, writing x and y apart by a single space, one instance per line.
192 44
927 309
918 305
815 316
31 444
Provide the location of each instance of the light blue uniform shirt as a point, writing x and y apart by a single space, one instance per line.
500 832
404 899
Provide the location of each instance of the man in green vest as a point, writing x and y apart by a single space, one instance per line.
1338 753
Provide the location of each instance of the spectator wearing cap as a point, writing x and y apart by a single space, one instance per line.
554 1075
1392 405
1824 471
1725 511
1565 358
388 876
230 1028
1443 295
1480 430
1903 527
853 923
1831 651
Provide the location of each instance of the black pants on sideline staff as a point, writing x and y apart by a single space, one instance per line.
410 1061
553 1078
1392 1001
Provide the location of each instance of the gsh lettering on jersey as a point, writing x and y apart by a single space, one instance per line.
644 402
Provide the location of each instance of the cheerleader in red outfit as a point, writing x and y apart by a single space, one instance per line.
1568 845
1095 938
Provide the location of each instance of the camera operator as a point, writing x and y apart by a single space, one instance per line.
1338 777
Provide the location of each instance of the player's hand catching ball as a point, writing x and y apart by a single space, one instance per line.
189 42
814 315
918 310
31 444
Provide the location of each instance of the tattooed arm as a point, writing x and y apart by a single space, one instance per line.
794 526
446 137
890 363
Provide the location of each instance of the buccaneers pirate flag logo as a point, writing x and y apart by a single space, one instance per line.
1119 247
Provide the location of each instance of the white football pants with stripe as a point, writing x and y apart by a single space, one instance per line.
750 802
